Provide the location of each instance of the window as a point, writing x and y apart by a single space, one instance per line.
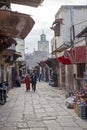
80 70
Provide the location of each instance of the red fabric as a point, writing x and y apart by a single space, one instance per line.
67 57
75 55
80 54
27 82
63 60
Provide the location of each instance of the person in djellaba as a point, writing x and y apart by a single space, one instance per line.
27 82
33 81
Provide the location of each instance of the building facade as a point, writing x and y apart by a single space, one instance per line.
69 21
21 48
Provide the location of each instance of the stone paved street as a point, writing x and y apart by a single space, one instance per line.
42 110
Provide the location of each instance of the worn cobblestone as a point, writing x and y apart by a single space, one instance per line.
43 110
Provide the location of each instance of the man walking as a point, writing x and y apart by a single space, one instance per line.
33 81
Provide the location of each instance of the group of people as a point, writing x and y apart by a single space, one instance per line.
30 79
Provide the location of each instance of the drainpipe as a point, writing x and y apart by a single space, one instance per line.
72 37
86 54
72 29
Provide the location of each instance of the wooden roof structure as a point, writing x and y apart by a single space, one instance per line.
10 55
33 3
14 24
6 42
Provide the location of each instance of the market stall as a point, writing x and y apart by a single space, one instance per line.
80 106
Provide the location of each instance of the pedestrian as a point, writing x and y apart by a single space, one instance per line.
27 82
40 77
33 81
18 81
40 74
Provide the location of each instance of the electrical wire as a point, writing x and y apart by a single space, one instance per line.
80 22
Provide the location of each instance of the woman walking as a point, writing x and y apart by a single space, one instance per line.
27 82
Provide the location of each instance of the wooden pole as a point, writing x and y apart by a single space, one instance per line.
86 54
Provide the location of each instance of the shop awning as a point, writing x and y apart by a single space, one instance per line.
66 57
14 24
74 55
10 55
64 46
6 42
51 62
41 63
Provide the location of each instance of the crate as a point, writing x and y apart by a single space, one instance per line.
82 111
75 107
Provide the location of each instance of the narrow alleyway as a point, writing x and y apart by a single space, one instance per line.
42 110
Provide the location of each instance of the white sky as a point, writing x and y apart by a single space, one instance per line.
44 16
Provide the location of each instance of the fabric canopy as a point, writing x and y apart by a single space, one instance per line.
64 46
67 57
51 62
74 55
